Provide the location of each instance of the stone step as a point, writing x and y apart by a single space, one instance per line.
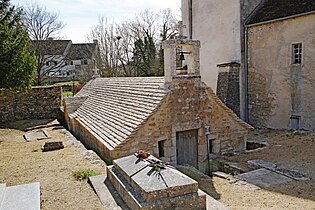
107 193
22 197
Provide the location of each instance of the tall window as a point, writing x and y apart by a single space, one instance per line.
161 148
297 53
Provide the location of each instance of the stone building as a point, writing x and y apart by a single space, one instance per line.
177 118
256 38
281 64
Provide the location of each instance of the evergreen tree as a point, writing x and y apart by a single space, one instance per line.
144 57
17 65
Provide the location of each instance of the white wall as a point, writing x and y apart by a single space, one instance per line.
216 23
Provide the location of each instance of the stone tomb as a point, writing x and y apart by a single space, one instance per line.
142 186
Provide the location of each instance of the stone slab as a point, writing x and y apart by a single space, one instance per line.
22 197
37 135
143 185
263 178
107 193
2 192
152 184
273 167
213 204
221 174
261 164
51 146
196 201
129 166
149 184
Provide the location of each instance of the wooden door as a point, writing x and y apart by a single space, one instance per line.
187 148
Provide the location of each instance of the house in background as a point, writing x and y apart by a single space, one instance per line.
61 60
176 118
250 50
83 60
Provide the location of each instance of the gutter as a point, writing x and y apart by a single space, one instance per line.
246 114
279 19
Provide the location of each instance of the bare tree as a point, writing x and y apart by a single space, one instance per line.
132 47
42 26
40 23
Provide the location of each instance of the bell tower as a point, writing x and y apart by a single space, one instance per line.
181 59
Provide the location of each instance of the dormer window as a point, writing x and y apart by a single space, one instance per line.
85 62
47 63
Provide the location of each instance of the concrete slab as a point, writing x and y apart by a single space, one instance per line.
263 178
22 197
107 193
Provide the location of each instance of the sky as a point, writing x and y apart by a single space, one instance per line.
81 15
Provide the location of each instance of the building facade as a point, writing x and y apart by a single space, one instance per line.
249 34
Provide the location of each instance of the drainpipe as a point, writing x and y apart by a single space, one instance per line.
190 19
246 115
207 133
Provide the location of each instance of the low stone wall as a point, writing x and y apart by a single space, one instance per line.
37 103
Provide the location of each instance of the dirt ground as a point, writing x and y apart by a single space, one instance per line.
295 151
20 163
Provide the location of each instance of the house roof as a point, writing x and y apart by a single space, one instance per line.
269 10
51 47
115 107
81 51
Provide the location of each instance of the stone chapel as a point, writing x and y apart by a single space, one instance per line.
177 118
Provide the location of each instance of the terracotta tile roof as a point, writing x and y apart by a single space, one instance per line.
81 51
274 9
51 47
115 107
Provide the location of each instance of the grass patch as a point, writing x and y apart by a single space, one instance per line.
84 174
35 150
67 93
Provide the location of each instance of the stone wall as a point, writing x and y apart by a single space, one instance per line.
189 105
37 103
228 88
278 89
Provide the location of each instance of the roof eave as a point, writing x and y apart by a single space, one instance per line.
279 19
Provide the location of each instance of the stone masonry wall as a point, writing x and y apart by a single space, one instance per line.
189 105
228 89
277 88
37 103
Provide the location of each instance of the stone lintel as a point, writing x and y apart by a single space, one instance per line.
231 64
187 76
173 42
